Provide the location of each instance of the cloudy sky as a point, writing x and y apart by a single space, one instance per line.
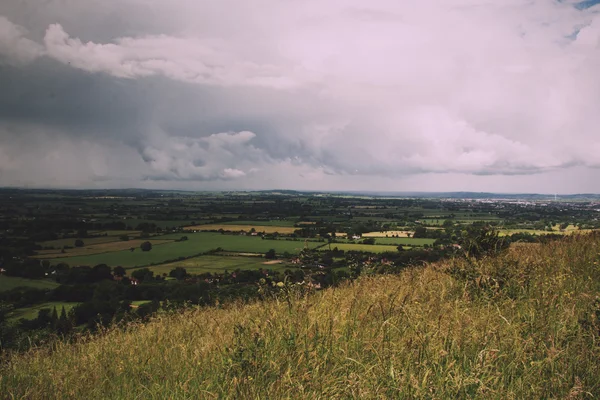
436 95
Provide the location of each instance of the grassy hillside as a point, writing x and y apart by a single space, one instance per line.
524 325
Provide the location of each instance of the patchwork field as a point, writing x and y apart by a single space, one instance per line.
98 248
12 282
201 264
196 244
286 230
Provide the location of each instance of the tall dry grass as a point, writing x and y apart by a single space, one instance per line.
522 325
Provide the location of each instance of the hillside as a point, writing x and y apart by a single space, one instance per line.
523 325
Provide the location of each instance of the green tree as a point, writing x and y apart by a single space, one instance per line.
146 246
119 271
143 274
270 255
79 243
178 273
420 232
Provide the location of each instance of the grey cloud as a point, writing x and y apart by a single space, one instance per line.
335 93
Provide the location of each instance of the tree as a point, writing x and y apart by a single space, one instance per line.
79 243
146 246
178 273
270 255
420 232
143 274
119 271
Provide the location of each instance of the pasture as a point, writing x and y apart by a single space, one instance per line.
97 248
371 248
273 222
387 234
215 264
285 230
32 311
196 244
404 241
12 282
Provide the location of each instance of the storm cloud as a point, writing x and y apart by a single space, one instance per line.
501 95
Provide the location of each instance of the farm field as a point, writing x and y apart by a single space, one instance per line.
404 241
196 244
12 282
230 227
98 248
59 243
275 222
134 222
32 312
388 233
373 248
212 264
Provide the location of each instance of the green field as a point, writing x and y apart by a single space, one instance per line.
196 244
202 264
12 282
275 222
404 241
59 243
372 248
32 312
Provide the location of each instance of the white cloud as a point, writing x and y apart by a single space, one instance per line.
184 59
15 48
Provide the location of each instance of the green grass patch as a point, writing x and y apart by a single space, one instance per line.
196 244
12 282
404 241
32 311
215 264
371 248
275 222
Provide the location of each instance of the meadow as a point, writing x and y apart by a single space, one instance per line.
404 241
388 234
523 325
238 227
32 311
12 282
196 244
372 248
274 222
98 248
216 264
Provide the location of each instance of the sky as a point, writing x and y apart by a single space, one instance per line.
386 95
